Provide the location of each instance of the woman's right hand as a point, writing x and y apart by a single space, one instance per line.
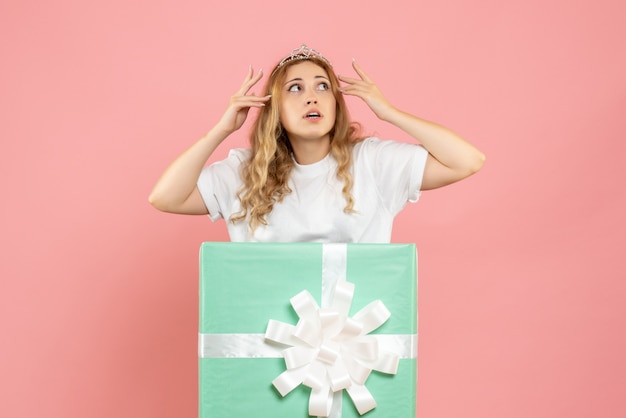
240 103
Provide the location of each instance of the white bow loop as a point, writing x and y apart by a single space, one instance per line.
330 352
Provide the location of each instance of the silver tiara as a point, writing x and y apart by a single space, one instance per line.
303 53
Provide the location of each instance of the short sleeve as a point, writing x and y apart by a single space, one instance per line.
397 169
219 183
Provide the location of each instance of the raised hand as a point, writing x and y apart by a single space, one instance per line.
241 102
364 88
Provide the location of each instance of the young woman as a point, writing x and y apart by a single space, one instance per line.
308 176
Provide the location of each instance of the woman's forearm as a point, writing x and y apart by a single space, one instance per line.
451 158
173 189
443 144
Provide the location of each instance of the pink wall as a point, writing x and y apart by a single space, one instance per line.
522 286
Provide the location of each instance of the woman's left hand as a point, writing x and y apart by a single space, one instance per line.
367 90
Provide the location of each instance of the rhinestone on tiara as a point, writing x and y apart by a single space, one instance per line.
303 53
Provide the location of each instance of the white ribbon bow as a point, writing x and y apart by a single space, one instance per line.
330 351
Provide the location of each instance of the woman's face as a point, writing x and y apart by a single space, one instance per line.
307 103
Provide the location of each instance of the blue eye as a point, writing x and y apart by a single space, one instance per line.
294 87
323 87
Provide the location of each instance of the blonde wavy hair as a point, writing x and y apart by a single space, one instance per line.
266 173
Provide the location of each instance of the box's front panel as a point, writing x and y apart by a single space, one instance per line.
243 286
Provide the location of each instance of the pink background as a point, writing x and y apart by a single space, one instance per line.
522 286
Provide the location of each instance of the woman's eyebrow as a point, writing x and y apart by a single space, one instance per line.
300 79
293 79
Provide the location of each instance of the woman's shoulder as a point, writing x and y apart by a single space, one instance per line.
373 151
372 145
232 162
240 154
375 144
368 140
366 143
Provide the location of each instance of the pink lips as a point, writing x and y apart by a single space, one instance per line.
312 114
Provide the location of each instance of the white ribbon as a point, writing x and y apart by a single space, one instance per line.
326 350
255 346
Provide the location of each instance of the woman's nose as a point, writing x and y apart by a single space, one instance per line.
311 101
